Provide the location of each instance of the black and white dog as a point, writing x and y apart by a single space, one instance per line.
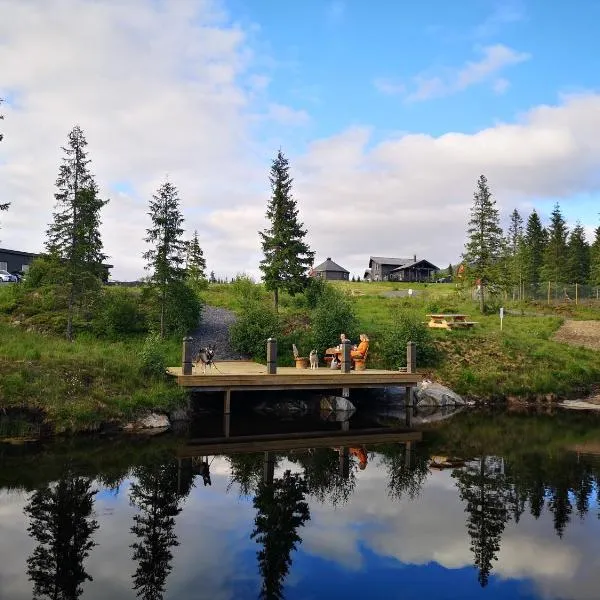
206 357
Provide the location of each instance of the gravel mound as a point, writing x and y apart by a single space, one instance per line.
214 330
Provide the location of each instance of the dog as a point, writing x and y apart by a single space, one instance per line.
206 357
314 359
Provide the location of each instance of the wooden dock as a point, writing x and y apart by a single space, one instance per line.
246 375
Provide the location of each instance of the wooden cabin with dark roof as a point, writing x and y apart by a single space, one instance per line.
382 268
330 270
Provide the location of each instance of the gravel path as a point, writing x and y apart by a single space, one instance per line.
214 330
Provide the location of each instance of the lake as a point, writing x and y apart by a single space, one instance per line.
484 504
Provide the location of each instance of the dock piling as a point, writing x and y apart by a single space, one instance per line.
272 356
411 357
187 356
346 360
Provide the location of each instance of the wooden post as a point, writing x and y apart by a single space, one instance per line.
576 294
346 360
227 413
271 356
187 355
548 292
268 468
344 463
411 357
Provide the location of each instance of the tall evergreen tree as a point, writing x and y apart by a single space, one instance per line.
534 246
61 524
195 263
484 246
595 259
155 494
514 247
166 256
555 255
450 270
287 256
73 238
281 510
6 204
578 256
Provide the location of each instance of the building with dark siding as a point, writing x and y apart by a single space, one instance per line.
330 270
382 268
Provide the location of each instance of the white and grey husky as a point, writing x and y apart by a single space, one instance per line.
314 359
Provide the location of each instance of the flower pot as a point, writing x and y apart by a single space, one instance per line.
301 363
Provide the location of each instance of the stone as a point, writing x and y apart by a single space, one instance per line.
429 393
151 421
336 403
179 414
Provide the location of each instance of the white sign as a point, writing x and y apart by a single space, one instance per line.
501 317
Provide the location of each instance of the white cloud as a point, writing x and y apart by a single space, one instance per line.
388 86
286 115
494 59
505 13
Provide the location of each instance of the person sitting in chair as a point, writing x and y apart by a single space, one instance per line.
362 347
343 339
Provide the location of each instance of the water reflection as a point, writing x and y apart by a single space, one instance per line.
282 521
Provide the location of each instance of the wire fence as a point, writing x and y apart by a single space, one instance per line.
550 292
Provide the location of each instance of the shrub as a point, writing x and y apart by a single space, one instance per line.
119 313
255 324
153 357
246 292
314 291
406 327
333 315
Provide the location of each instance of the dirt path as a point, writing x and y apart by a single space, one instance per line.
580 333
214 329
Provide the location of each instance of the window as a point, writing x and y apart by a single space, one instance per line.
24 268
3 266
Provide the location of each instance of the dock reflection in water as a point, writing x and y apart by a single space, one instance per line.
330 511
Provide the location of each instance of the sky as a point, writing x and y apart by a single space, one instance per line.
387 111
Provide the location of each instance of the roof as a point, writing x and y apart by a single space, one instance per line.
18 252
329 265
414 263
384 260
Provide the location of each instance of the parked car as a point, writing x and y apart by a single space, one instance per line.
5 276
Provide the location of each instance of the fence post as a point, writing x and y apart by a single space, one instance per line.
576 294
411 357
346 361
187 355
271 356
548 293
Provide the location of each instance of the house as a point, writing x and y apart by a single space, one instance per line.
16 261
382 268
330 270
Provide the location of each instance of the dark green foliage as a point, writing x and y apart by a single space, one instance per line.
407 327
484 247
287 256
534 245
514 251
281 510
166 254
578 256
314 290
73 238
595 259
118 313
255 324
334 314
152 357
182 310
195 265
60 523
246 292
555 254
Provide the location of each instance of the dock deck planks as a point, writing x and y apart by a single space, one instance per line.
247 375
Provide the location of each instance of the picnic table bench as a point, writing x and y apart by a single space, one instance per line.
449 321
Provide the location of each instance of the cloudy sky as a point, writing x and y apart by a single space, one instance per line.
388 112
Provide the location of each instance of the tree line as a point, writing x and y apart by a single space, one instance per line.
528 255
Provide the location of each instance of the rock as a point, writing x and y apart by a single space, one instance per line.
179 414
336 403
429 393
579 405
151 421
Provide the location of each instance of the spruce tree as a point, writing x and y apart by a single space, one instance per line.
450 270
514 247
166 256
555 255
534 245
73 238
287 256
595 259
195 263
578 256
484 247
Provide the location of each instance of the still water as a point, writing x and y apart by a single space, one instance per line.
481 505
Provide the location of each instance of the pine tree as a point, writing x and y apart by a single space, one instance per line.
166 256
595 259
450 270
578 256
6 204
514 247
534 245
73 238
555 255
287 256
61 524
195 264
484 246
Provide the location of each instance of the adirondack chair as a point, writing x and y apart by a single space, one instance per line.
301 361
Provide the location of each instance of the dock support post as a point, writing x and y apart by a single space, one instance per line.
271 356
344 463
187 355
411 357
345 425
346 360
268 468
227 413
346 392
407 455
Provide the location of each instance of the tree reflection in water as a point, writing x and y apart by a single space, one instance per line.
61 523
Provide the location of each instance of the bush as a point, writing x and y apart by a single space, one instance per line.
333 315
119 313
314 291
153 357
255 324
406 328
246 292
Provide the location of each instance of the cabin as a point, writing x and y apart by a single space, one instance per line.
382 268
330 270
17 261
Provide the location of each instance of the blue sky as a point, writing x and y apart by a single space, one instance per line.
387 110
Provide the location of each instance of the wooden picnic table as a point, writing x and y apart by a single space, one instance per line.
449 321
